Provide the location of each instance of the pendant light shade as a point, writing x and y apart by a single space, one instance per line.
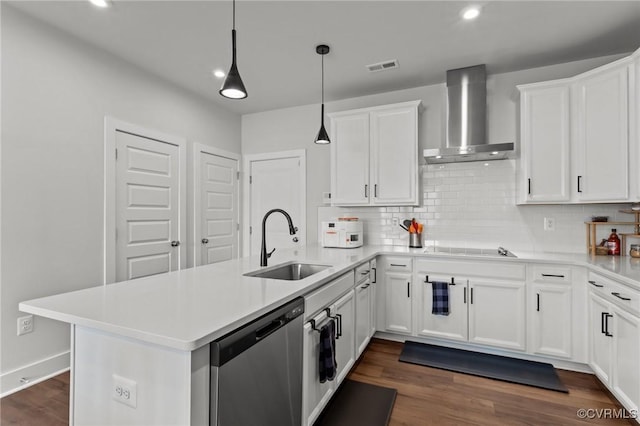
233 87
323 137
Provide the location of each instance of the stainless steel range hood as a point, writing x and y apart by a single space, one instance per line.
466 138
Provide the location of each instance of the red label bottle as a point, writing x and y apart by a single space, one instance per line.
613 244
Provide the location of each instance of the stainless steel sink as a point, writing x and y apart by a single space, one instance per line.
291 271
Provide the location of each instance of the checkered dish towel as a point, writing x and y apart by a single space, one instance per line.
440 298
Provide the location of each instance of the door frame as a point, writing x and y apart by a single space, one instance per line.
111 126
301 154
198 150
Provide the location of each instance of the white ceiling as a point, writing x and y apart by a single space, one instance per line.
182 41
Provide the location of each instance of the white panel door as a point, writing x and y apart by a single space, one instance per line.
602 135
147 207
394 142
219 204
551 320
346 343
350 159
277 183
497 313
452 326
626 353
398 302
545 124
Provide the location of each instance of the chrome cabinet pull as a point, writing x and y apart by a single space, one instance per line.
175 243
553 275
593 283
205 241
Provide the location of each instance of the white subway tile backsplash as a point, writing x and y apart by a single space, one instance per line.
473 205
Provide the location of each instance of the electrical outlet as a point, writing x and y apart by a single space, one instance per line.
25 325
124 390
549 224
395 221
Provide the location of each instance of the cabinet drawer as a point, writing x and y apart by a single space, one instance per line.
400 264
467 268
615 291
550 274
362 272
325 295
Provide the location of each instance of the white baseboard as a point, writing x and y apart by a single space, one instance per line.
29 375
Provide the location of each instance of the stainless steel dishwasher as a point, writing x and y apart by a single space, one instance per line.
256 371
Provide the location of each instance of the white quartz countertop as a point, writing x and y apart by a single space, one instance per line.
187 309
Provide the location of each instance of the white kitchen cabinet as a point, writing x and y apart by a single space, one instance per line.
394 298
374 156
374 296
497 313
634 128
345 310
601 100
544 171
335 300
350 159
363 315
486 302
453 326
551 310
614 328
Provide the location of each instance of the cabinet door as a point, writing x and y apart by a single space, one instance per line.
497 313
363 316
452 326
374 296
544 126
398 302
602 135
551 320
626 354
394 152
350 160
346 344
599 342
315 394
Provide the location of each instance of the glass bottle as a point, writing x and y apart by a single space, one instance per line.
613 244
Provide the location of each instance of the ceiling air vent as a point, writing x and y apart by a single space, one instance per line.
382 66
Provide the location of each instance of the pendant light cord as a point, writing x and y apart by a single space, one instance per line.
234 14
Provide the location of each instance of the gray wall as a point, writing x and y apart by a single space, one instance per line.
295 128
56 91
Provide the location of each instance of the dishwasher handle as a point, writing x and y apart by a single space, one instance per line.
263 332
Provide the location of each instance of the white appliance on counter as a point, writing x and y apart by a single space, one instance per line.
342 234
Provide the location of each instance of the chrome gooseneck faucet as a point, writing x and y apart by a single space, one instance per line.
263 249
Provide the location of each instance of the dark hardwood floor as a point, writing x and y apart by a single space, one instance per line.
426 396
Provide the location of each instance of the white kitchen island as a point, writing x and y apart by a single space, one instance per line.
140 348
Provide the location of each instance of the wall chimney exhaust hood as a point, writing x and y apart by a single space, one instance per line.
467 121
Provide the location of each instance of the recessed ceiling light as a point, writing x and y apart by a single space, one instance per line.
100 3
219 73
470 13
494 153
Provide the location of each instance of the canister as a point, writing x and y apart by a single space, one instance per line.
415 240
634 251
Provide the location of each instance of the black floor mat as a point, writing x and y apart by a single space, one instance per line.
358 404
498 367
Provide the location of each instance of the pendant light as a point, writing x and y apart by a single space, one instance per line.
323 137
233 87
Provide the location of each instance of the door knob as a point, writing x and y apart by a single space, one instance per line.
175 243
205 240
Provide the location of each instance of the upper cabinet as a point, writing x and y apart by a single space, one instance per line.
545 141
374 156
578 137
601 119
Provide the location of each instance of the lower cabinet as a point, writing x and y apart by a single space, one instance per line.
615 349
363 315
397 295
316 395
486 302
